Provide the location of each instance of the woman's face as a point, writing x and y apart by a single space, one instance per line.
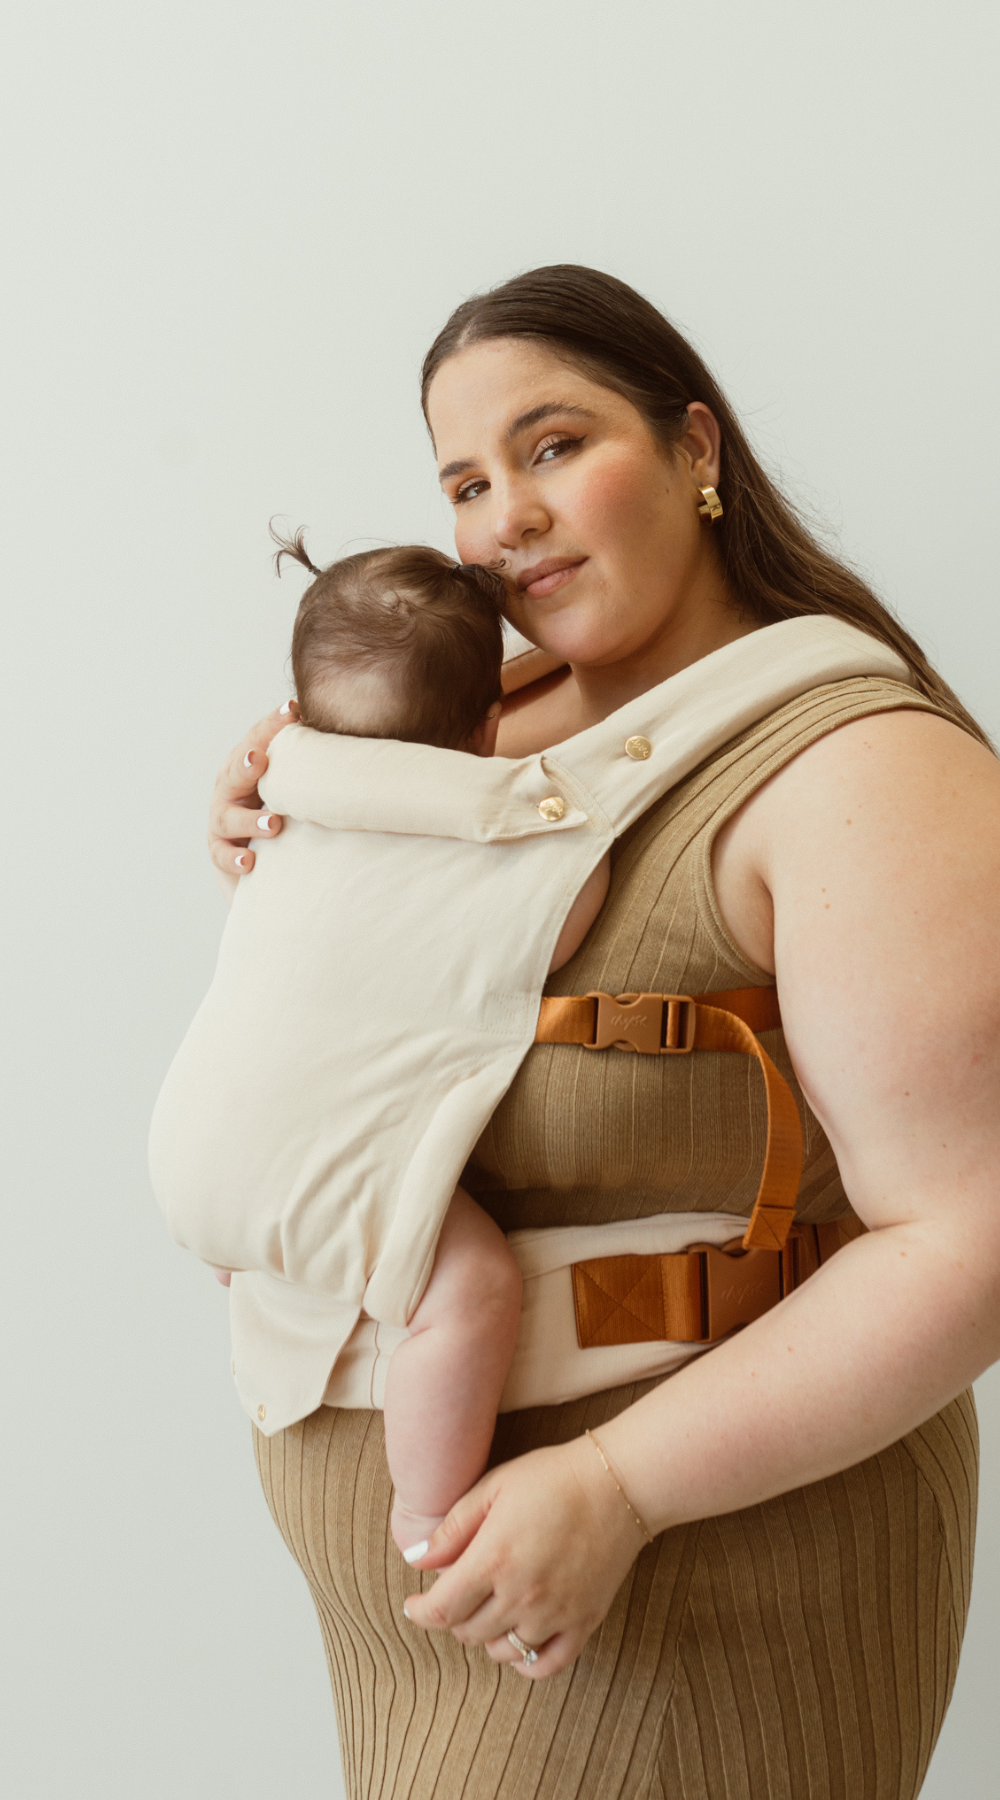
595 523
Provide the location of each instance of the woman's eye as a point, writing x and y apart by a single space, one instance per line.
470 491
553 447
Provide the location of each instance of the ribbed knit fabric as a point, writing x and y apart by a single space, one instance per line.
801 1650
582 1138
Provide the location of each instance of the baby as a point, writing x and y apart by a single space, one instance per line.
403 643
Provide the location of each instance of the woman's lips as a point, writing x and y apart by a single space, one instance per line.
545 577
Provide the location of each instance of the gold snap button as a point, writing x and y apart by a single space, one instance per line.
262 1411
553 808
638 748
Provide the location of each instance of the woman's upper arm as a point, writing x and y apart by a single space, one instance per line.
880 850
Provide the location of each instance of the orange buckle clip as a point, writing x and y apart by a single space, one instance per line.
653 1024
737 1286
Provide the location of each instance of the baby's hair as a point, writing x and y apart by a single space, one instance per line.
430 627
292 546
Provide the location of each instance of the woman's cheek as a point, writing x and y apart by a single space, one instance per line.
595 506
609 499
473 544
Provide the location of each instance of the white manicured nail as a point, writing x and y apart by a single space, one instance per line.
406 1610
248 760
285 710
264 822
241 861
416 1551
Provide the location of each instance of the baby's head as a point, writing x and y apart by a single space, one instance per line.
399 643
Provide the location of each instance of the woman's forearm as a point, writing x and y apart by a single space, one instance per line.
879 1339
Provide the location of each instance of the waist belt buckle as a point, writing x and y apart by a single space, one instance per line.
653 1024
738 1286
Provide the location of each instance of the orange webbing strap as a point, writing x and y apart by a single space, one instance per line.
566 1019
723 1021
774 1208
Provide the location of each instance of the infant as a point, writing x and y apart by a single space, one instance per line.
404 643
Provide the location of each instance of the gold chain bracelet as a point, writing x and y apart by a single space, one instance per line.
618 1485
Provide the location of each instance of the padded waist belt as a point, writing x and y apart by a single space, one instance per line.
701 1294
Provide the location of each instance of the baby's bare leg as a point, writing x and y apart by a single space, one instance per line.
445 1380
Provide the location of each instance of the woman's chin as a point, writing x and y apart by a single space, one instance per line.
579 647
574 634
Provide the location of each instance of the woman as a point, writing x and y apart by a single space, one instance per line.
793 1627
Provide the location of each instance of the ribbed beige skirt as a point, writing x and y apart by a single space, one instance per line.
801 1650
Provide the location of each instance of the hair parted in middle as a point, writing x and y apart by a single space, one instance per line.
775 566
429 627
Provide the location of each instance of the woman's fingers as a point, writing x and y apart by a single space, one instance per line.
551 1541
234 856
439 1611
236 818
456 1532
469 1587
557 1654
502 1650
247 822
489 1624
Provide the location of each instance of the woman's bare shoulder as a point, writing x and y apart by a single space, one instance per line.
905 758
901 777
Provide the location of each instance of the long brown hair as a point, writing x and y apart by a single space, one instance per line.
772 562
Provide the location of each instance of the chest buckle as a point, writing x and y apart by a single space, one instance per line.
652 1024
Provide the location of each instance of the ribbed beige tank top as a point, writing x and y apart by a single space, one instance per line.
585 1137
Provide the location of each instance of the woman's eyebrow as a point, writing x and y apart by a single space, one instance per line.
455 468
523 422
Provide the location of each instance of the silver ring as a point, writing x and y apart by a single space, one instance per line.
530 1655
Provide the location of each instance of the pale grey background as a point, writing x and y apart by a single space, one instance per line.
230 231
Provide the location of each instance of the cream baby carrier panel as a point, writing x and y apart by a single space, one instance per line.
378 985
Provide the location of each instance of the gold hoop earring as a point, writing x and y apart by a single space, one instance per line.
711 505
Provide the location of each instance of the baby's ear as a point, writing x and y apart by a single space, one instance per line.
482 739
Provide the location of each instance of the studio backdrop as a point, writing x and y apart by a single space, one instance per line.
230 232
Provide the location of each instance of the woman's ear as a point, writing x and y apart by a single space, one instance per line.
482 739
701 444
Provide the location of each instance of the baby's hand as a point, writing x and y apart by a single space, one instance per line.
223 1275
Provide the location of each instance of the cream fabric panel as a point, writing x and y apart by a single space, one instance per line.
378 987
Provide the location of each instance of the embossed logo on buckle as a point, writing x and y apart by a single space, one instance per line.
653 1024
737 1286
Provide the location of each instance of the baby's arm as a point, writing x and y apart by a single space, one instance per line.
582 914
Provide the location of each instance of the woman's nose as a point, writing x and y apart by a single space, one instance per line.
518 514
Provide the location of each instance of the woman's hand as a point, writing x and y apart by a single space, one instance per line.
539 1546
236 817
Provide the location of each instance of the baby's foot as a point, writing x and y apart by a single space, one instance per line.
412 1529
